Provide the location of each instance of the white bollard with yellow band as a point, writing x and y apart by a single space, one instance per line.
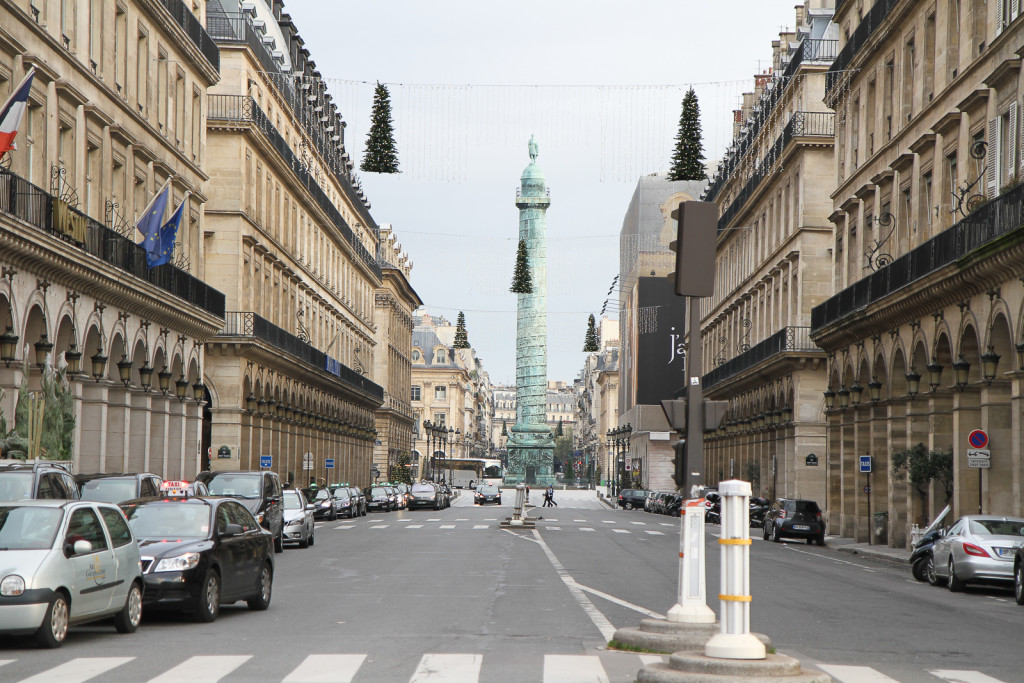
692 607
735 641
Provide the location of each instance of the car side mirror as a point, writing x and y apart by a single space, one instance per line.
232 530
81 547
310 507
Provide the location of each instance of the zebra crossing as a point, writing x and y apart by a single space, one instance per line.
548 525
606 667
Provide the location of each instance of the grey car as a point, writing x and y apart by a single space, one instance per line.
64 563
298 518
977 549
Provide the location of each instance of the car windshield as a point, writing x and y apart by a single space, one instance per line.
489 490
244 485
15 485
322 494
997 527
166 521
28 527
292 501
341 495
806 506
379 492
422 488
109 490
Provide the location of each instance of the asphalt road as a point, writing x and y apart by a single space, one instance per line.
429 596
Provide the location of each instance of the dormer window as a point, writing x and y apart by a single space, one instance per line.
440 357
416 357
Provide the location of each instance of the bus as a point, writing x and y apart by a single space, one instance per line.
467 472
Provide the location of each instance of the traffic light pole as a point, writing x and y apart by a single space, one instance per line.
694 401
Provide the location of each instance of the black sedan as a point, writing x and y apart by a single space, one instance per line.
201 553
378 498
487 494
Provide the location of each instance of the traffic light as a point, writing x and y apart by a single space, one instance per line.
696 234
679 461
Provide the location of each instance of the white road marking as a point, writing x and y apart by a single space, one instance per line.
447 526
621 531
602 623
963 676
653 533
607 521
380 526
525 538
831 559
5 661
667 524
552 520
490 519
78 670
433 520
461 520
346 526
447 668
623 603
586 528
414 526
481 526
326 669
573 669
640 523
553 528
202 669
854 674
579 520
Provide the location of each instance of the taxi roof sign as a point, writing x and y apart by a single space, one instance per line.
174 488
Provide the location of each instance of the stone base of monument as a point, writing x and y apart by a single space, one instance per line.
661 635
696 667
523 523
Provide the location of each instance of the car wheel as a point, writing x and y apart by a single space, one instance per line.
775 534
209 598
55 625
628 506
933 578
1018 584
810 541
954 583
311 537
920 568
261 601
764 532
304 543
127 620
279 542
820 539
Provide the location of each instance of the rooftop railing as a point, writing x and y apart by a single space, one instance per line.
196 33
860 36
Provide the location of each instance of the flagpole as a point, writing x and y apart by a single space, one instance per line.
7 102
153 201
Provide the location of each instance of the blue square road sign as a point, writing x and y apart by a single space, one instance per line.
865 464
329 463
266 460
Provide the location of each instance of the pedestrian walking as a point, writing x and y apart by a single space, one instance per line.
549 497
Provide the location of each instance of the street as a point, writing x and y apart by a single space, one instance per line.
433 596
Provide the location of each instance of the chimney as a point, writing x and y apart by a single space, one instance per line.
801 15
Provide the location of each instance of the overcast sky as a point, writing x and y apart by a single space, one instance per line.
471 81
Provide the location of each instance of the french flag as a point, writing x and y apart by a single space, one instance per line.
13 110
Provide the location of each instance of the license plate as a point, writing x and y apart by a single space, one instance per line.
1005 552
801 527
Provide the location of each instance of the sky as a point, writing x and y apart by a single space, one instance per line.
599 84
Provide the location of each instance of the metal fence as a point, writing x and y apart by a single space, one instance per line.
249 324
196 33
786 339
1002 215
243 108
868 25
35 206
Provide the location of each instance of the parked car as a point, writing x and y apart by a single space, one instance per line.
65 563
977 549
674 504
325 504
446 495
358 496
631 498
378 498
398 496
200 553
40 481
649 500
660 501
118 487
298 518
487 494
347 506
259 491
794 518
425 494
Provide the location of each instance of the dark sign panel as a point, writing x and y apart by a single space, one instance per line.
660 360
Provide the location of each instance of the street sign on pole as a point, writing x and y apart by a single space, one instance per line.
865 464
977 439
329 463
266 461
979 458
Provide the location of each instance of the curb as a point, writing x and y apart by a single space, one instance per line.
880 557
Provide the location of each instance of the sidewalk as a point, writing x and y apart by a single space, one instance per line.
899 557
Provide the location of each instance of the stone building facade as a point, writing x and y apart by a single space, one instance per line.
597 402
772 266
117 108
291 242
924 330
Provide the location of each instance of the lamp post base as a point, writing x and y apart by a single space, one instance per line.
691 613
735 646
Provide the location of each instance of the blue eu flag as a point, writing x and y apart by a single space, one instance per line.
149 224
166 239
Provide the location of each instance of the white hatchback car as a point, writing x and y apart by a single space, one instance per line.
64 563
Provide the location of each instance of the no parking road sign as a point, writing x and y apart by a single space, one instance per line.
977 439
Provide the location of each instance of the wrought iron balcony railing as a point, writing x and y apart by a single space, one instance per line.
41 210
249 324
243 108
860 36
194 28
1002 215
788 339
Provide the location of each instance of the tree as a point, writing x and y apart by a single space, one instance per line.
923 466
381 154
461 339
399 472
562 456
522 282
688 155
590 340
558 429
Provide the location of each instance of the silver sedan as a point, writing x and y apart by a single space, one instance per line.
977 548
298 519
64 563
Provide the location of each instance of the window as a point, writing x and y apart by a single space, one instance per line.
440 357
926 200
416 394
142 72
439 419
951 173
909 68
95 26
953 39
120 534
85 526
929 59
440 393
120 50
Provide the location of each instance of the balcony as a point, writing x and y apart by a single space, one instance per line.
860 36
196 33
786 340
994 220
809 51
36 207
249 324
243 109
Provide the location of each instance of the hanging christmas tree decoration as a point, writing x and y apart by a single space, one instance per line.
688 156
522 282
381 153
461 339
590 341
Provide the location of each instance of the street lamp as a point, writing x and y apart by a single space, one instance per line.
875 388
99 365
934 375
74 359
961 370
146 376
855 393
830 399
250 402
180 387
124 370
164 379
844 397
913 383
8 346
989 362
43 348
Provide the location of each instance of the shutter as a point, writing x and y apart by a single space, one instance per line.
1010 149
1014 9
993 158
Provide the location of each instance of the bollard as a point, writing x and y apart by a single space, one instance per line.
517 507
691 606
735 641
